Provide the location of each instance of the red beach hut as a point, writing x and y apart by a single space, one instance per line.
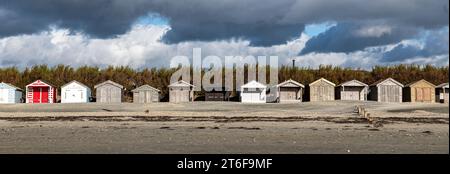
40 92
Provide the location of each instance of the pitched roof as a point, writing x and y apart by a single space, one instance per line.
253 84
181 83
291 81
74 81
12 86
422 80
145 88
388 79
322 79
443 85
41 81
353 82
108 82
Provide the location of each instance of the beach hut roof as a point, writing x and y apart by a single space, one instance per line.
423 80
12 86
443 85
181 83
353 83
322 79
108 82
290 81
74 81
384 80
43 82
254 84
145 88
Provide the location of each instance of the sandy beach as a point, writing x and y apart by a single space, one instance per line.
224 127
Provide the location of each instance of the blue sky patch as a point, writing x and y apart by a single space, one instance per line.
315 29
152 19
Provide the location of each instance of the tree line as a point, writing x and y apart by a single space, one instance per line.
160 77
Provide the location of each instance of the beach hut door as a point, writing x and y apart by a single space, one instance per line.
419 94
44 97
3 95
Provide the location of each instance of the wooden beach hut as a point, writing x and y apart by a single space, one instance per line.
75 92
145 94
181 91
108 92
217 95
40 92
442 93
253 92
10 93
419 91
387 90
290 91
352 90
321 90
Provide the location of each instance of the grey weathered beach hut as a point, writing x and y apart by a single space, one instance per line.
145 94
321 90
442 91
352 90
108 92
419 91
181 91
387 90
290 91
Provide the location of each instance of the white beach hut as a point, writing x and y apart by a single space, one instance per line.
10 93
75 92
253 92
442 93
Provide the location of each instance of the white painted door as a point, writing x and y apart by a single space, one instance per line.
73 95
3 95
255 96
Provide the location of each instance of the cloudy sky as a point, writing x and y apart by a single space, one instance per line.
147 33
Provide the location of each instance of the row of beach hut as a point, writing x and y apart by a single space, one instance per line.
387 90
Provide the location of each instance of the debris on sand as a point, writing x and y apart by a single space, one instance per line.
377 124
166 127
245 128
373 129
427 132
108 110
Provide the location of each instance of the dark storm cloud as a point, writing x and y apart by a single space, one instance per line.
99 18
261 34
263 22
349 37
436 43
423 13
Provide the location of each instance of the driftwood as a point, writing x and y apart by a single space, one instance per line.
363 112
